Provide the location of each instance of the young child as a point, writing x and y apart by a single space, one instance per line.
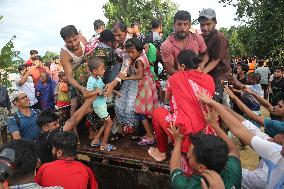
146 99
63 100
95 83
45 92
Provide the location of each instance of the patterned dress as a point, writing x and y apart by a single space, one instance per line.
147 98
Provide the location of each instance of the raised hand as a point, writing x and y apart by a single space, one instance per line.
211 116
175 131
214 180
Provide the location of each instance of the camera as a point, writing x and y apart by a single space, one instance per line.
7 166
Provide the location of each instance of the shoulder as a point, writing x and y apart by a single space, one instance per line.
168 43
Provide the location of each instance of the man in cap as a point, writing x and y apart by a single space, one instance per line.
23 123
218 50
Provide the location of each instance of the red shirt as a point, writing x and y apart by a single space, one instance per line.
29 62
69 174
170 48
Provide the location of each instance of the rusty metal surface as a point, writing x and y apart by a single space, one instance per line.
127 151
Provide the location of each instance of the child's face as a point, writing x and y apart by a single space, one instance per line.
250 81
100 71
43 77
133 53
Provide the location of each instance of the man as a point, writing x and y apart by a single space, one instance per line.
33 53
136 31
264 73
24 164
99 26
182 38
23 123
37 69
48 124
270 152
65 171
154 37
277 85
217 46
25 83
206 152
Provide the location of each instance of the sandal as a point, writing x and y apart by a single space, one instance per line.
96 145
145 141
108 148
154 153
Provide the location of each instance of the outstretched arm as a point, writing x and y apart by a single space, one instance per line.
244 108
232 123
261 100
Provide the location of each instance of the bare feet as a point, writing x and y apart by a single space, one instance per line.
156 154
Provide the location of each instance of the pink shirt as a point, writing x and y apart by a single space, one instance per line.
170 48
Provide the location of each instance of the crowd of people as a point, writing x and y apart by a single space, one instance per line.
113 81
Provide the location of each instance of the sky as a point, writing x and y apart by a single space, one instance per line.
36 23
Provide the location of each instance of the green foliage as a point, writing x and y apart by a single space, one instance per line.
142 11
48 56
263 27
9 60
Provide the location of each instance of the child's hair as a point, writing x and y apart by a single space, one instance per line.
94 63
22 67
256 77
134 42
210 151
61 75
189 58
46 117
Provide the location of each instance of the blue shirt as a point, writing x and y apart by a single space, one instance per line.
27 125
94 83
273 127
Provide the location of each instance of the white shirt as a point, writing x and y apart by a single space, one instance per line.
28 88
270 152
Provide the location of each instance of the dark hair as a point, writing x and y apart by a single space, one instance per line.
94 63
155 23
210 151
98 24
26 157
189 58
255 77
37 58
46 117
182 15
260 63
68 31
106 36
61 74
67 142
278 67
119 25
134 42
32 52
22 67
244 67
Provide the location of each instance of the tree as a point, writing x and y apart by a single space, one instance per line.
48 56
142 11
9 59
264 26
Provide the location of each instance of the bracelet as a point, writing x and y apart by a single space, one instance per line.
118 79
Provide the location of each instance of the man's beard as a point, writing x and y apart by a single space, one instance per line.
181 35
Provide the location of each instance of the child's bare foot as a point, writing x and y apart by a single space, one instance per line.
156 154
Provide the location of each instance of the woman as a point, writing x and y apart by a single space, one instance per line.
186 109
